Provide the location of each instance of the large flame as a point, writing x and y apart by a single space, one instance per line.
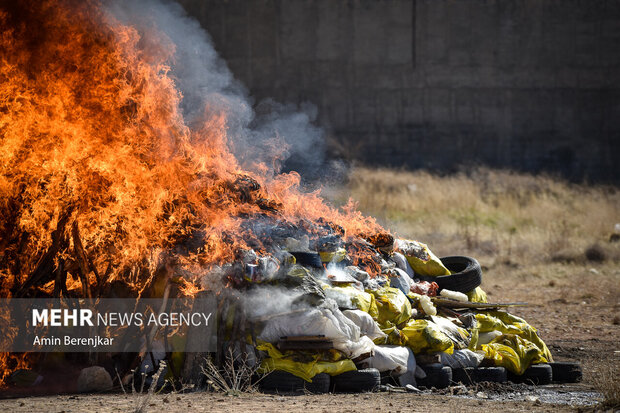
97 162
96 159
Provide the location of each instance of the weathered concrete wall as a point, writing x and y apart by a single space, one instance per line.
527 84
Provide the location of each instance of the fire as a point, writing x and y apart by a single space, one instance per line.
102 180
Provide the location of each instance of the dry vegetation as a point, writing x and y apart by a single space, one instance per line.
497 216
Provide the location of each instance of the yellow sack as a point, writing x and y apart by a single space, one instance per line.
360 299
298 271
336 256
477 295
510 324
423 336
513 353
421 259
393 306
302 369
395 337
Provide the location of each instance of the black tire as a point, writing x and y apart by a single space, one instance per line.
463 375
566 372
437 376
308 259
537 374
357 381
283 381
466 274
490 374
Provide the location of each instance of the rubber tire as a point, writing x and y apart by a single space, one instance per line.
566 372
463 375
537 374
283 381
356 381
490 374
437 376
466 274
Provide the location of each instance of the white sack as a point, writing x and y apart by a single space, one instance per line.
368 326
461 358
402 264
396 359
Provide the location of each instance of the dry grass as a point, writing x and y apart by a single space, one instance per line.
234 377
606 380
497 216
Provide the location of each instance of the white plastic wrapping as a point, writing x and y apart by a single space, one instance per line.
461 358
368 326
327 321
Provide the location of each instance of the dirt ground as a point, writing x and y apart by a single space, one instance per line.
197 402
575 309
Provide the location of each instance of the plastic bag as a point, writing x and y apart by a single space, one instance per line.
513 353
333 256
303 369
425 336
477 295
509 324
461 358
399 279
314 322
368 326
519 345
421 259
458 335
354 349
393 306
396 359
486 338
361 300
401 263
327 321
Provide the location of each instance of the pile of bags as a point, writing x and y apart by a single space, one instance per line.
385 320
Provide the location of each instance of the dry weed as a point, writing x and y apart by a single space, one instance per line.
606 380
499 216
234 377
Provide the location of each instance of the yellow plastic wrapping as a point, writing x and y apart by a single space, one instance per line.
518 335
298 271
510 324
336 256
302 369
393 307
421 258
423 336
477 295
362 300
513 353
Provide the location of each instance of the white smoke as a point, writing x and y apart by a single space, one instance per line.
270 135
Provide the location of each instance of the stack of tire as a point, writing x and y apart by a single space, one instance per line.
356 381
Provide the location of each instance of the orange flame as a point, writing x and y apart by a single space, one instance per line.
95 156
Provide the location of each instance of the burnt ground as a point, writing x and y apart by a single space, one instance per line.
576 310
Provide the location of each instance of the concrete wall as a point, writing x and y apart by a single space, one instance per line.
527 84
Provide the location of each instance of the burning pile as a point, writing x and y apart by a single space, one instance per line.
107 190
